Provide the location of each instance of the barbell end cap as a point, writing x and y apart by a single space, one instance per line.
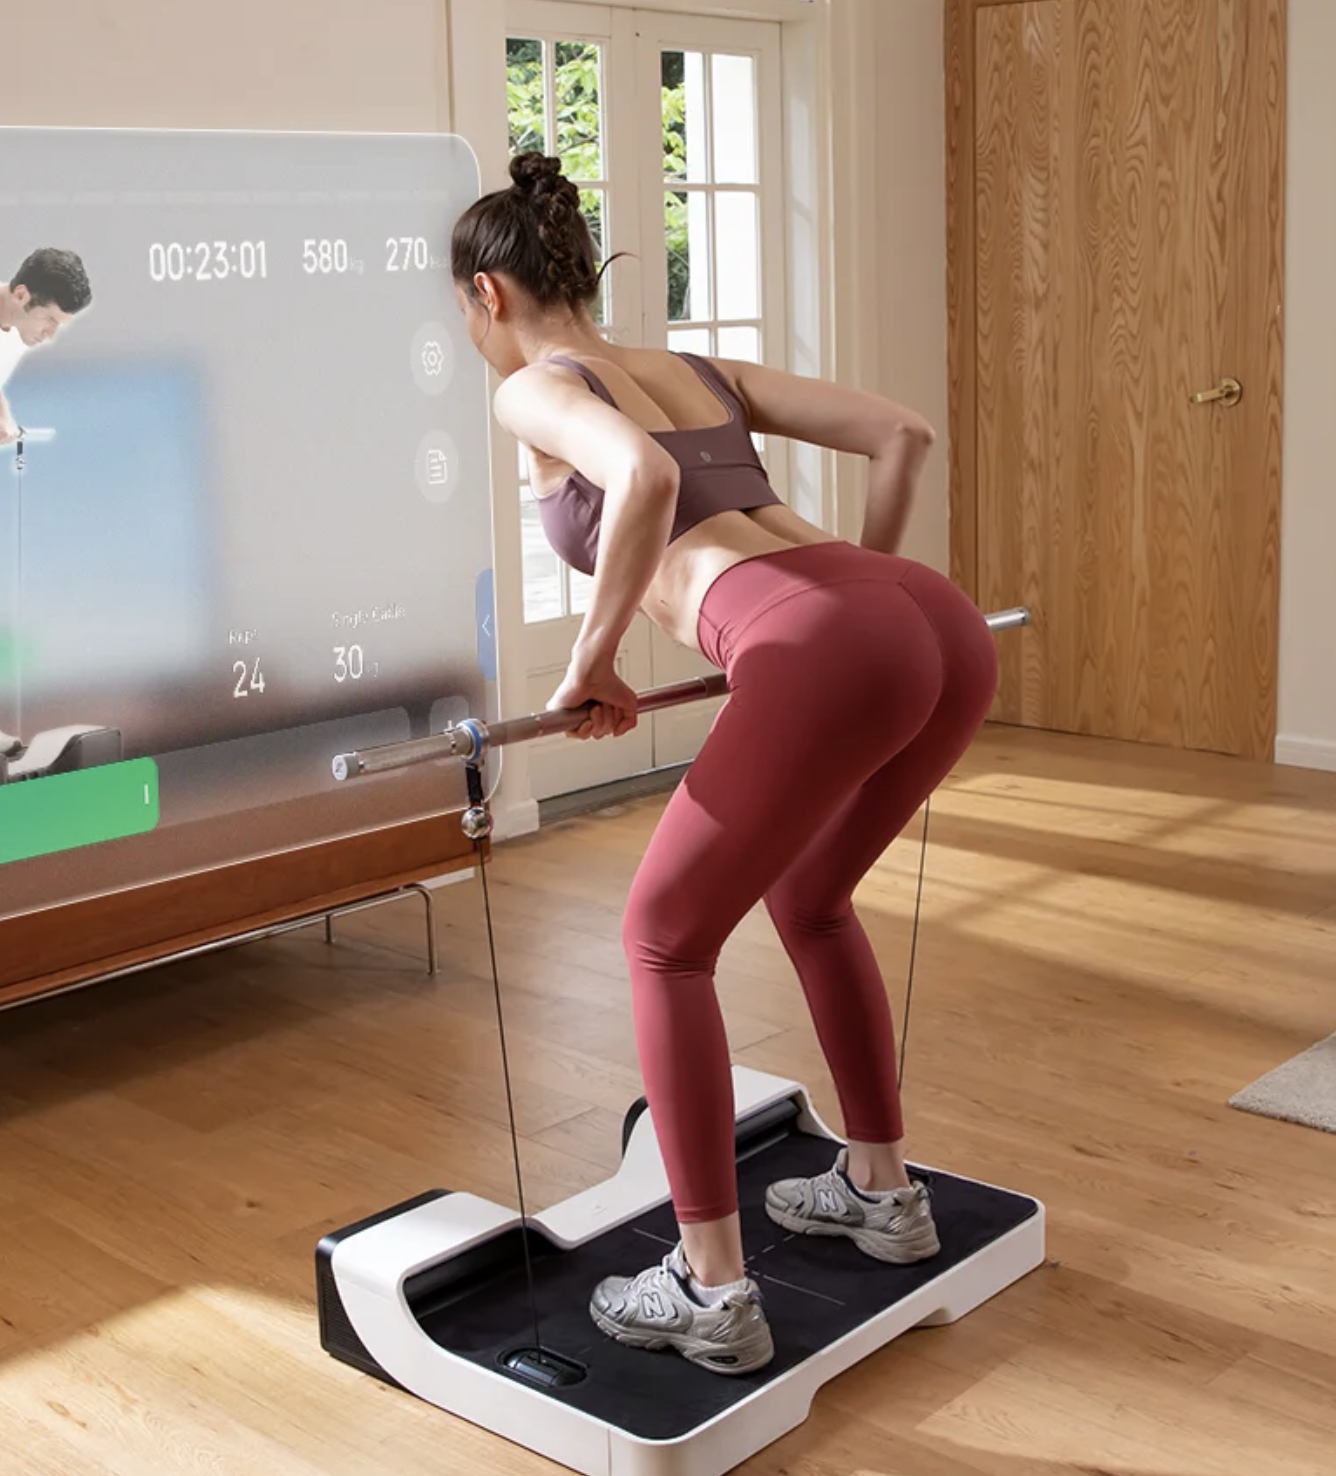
345 765
478 736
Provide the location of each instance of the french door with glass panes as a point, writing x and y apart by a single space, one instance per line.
671 125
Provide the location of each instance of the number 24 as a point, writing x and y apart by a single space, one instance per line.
256 679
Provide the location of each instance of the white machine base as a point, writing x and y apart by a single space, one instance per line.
395 1290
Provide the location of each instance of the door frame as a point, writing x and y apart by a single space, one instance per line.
631 41
828 92
679 733
556 765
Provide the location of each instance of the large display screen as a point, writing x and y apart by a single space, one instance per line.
245 516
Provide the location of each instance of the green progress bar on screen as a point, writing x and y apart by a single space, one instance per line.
62 812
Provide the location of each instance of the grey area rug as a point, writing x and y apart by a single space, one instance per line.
1302 1090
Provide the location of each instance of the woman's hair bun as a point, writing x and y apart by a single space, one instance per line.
535 174
534 232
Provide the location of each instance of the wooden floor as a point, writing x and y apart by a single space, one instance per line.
1114 941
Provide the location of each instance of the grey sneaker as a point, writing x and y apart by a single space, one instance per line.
897 1227
657 1309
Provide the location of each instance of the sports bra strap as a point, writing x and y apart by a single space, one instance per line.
717 381
587 374
703 368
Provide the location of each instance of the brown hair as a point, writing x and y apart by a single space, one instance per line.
534 233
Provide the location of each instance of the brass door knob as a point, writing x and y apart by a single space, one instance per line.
1228 392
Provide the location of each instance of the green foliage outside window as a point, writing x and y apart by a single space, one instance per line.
576 84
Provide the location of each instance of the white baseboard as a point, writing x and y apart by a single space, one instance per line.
1306 753
509 821
449 879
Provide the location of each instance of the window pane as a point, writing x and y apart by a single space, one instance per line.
689 341
542 572
740 343
582 592
739 255
684 122
674 105
687 240
678 245
579 118
593 206
734 101
524 91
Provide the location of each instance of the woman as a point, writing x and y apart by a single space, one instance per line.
857 680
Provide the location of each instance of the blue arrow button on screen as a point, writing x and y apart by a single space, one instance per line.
485 604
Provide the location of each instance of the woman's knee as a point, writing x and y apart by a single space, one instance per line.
665 929
799 910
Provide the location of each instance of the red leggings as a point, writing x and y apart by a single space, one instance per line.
857 680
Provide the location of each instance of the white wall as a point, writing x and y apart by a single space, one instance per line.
908 255
888 188
1307 725
290 64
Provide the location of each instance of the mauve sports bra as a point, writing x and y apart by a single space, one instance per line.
721 472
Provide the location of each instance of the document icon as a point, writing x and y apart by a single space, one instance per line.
437 466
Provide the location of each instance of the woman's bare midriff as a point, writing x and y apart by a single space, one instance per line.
693 562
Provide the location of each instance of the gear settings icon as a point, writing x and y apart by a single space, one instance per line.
431 358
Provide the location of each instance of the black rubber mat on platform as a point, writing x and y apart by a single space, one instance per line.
816 1290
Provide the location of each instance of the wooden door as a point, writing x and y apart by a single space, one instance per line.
1116 247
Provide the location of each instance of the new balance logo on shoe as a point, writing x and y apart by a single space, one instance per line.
827 1202
653 1307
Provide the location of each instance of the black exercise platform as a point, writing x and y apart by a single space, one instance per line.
433 1295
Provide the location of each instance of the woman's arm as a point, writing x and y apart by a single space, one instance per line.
895 439
892 479
552 410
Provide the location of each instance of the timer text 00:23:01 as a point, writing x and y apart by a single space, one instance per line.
207 261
